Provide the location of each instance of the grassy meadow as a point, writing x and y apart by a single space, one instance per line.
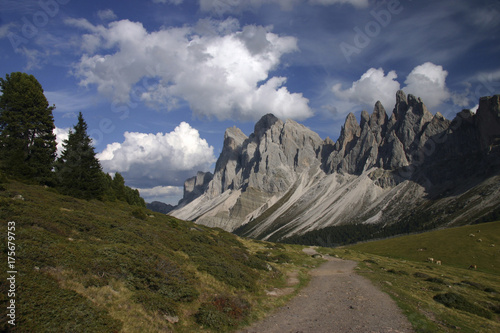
438 298
93 266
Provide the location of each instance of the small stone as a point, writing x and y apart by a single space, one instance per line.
172 319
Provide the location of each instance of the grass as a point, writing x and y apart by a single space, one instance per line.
92 266
455 247
437 298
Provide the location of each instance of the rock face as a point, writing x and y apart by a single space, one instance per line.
284 179
195 186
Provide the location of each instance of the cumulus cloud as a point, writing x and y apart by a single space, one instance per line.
222 73
373 86
147 160
106 15
428 81
167 194
61 135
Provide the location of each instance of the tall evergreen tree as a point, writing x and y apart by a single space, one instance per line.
78 171
27 139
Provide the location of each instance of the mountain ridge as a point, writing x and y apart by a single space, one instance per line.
284 180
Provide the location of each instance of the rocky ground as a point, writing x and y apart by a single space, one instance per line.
336 300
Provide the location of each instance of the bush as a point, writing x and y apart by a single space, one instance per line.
393 271
232 273
370 261
222 312
435 280
139 213
3 177
456 301
421 275
153 302
268 256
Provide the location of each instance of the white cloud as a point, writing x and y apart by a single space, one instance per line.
147 160
428 81
61 135
373 86
167 194
224 75
106 15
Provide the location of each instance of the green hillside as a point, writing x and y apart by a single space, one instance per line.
94 266
457 247
438 298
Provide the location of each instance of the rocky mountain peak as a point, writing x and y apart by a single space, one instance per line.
195 186
351 128
234 137
379 116
265 123
365 119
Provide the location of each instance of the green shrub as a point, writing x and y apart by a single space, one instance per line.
154 302
232 273
370 261
222 312
3 177
421 275
435 280
139 213
459 302
393 271
270 257
254 262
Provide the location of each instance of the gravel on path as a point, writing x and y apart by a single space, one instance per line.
336 300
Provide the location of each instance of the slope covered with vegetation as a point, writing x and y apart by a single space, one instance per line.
100 266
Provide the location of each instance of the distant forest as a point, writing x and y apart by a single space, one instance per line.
353 233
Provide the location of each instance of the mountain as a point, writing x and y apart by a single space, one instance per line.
159 207
413 168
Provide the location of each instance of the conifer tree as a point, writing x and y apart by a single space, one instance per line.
78 171
27 140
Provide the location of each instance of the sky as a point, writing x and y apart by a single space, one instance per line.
159 81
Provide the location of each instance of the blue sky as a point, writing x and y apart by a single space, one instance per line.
159 81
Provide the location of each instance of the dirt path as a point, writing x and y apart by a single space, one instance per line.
336 300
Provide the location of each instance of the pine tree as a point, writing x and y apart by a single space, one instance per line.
27 140
78 171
